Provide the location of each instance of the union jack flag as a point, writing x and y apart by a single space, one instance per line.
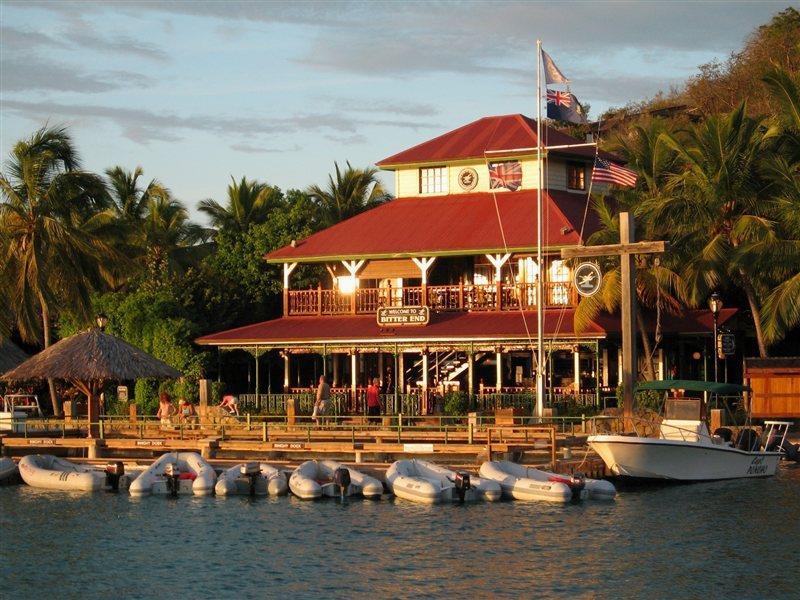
605 171
559 98
505 175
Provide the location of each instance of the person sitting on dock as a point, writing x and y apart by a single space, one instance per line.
374 400
322 400
230 404
165 409
187 412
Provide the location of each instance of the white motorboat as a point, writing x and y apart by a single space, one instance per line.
50 472
429 483
528 483
176 473
9 473
317 478
684 450
253 478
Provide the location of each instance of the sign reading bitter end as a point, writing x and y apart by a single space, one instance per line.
403 315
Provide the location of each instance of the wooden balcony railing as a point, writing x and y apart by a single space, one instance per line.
492 297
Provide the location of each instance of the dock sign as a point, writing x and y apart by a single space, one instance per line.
587 279
403 315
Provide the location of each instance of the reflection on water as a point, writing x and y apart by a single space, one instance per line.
737 538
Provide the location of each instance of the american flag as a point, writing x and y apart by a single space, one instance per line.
559 98
505 175
606 171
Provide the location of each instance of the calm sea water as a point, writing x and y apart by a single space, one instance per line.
738 539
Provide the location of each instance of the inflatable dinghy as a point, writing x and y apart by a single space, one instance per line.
8 471
422 481
50 472
526 483
316 478
176 473
255 479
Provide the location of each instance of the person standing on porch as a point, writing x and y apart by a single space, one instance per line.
374 400
322 400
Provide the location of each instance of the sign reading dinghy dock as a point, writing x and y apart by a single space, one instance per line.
403 315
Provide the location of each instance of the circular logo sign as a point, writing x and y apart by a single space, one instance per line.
587 279
468 178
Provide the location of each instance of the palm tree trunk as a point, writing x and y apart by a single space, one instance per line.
648 349
46 330
755 309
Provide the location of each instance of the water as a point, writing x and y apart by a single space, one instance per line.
739 539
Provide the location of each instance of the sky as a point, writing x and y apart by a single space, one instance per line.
197 92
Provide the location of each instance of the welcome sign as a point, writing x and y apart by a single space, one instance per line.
403 315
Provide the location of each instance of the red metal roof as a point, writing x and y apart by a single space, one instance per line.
466 223
489 134
445 326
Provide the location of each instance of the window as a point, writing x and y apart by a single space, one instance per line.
558 284
433 180
576 176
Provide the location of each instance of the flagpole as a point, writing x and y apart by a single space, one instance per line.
540 371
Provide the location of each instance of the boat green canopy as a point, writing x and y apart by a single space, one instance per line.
726 389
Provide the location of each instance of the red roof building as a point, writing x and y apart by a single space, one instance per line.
455 250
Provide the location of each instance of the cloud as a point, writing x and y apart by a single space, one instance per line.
347 140
377 105
78 34
20 73
250 149
144 126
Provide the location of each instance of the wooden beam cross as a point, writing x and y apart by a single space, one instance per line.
626 250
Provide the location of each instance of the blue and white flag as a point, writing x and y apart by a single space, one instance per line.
564 106
552 74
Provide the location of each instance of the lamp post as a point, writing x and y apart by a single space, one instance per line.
715 304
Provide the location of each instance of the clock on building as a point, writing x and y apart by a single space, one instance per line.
468 178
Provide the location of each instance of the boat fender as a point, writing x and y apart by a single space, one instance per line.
172 472
252 471
114 470
341 477
725 433
747 440
462 483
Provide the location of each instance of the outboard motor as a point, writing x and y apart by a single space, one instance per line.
341 477
114 471
173 474
747 440
462 484
791 451
252 471
725 433
576 483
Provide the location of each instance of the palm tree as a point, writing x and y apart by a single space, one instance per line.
249 203
168 236
718 207
782 306
352 192
52 217
130 199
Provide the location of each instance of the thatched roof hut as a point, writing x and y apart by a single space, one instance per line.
10 355
88 360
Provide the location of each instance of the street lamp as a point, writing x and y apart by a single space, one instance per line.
715 304
102 321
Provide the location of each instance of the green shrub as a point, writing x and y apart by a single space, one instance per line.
645 399
146 395
217 387
456 404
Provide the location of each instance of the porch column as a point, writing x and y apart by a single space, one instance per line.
352 267
499 371
380 368
424 264
498 260
576 368
661 365
286 367
401 373
354 378
605 367
287 270
425 371
619 366
470 373
258 387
